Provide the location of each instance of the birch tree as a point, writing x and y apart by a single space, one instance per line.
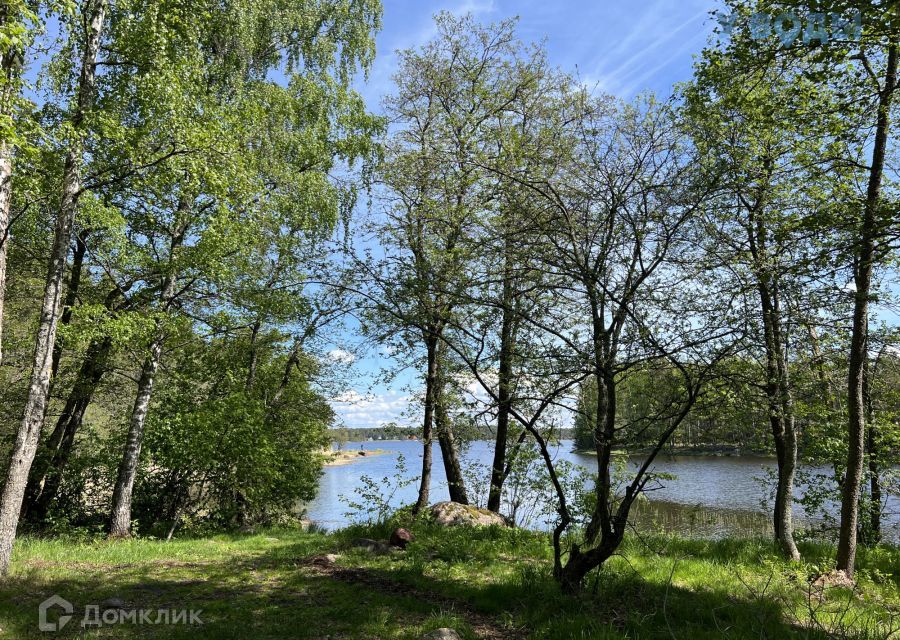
321 122
93 16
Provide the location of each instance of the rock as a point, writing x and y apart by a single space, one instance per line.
452 514
834 579
442 634
325 560
400 538
374 546
112 603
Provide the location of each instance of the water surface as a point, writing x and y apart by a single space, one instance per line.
713 496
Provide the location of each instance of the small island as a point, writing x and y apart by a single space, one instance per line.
348 456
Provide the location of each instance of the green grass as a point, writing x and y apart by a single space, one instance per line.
487 582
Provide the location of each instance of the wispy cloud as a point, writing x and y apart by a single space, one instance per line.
356 410
657 40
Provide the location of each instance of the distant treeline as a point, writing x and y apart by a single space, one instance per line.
395 432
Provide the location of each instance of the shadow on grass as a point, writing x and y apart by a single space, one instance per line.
277 593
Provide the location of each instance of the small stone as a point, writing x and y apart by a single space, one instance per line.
113 603
326 560
375 546
442 634
400 538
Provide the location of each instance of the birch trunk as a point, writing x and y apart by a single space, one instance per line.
120 517
46 475
5 203
35 406
10 77
120 514
71 296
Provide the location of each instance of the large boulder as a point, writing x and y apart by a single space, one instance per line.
400 538
453 514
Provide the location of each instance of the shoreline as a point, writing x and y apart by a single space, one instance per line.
345 456
710 452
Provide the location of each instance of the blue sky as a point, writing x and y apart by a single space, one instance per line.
622 47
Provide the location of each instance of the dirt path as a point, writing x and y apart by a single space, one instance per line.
484 626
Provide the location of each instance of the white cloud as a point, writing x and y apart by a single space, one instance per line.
355 410
341 356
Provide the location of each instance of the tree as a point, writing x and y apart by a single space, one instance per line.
19 23
624 208
617 194
863 70
455 108
434 198
279 163
773 144
94 15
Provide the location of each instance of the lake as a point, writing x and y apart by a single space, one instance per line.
712 496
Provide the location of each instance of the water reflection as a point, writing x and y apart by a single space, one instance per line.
712 496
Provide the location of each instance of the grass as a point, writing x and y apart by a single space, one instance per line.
484 583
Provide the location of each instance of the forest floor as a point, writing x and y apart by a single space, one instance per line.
486 583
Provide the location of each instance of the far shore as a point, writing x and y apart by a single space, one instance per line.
349 456
712 452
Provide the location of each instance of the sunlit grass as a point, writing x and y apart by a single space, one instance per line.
262 586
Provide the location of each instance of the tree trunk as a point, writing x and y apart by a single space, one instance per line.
253 359
427 423
73 411
120 515
5 204
786 456
872 530
784 433
38 391
9 71
120 518
71 295
580 563
877 495
504 395
779 396
449 451
864 263
46 476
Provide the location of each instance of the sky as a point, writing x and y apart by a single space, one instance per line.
621 47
